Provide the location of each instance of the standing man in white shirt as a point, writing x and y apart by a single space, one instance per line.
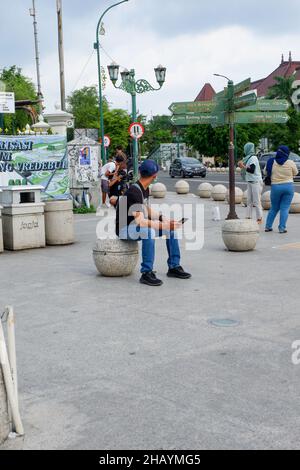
107 171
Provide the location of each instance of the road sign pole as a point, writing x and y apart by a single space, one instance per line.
232 213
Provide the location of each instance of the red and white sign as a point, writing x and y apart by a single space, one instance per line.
136 130
106 141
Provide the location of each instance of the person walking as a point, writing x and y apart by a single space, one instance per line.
135 220
281 172
253 177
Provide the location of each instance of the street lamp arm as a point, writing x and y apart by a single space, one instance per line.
103 14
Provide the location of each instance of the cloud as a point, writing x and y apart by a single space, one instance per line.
194 39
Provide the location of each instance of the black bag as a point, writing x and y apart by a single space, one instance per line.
268 180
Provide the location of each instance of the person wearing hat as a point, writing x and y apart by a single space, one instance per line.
281 171
135 220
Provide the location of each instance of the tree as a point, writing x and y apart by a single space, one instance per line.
24 89
282 89
84 105
157 131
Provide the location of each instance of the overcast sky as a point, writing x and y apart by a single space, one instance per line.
193 38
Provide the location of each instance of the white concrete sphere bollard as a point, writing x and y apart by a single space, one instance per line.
209 169
238 196
227 169
219 192
218 170
182 187
205 190
266 200
295 206
158 191
238 170
240 235
116 258
59 222
245 198
223 169
214 170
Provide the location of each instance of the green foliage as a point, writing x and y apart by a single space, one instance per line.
84 210
157 131
282 89
285 134
24 89
84 105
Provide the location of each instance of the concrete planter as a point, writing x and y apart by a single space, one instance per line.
4 419
238 196
240 235
116 258
158 191
219 192
59 222
182 187
295 206
266 200
204 190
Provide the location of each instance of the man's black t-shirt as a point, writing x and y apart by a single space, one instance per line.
134 200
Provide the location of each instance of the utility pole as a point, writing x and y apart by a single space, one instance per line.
61 56
32 12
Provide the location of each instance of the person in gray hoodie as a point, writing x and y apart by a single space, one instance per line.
252 175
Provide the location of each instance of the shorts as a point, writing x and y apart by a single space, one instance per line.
105 186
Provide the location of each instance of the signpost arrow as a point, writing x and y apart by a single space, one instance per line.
268 105
186 119
245 100
260 118
192 107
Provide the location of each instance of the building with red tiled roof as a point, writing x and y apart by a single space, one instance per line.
206 94
284 70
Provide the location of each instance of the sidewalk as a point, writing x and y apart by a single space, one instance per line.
110 364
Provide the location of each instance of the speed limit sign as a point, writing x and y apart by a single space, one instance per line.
136 130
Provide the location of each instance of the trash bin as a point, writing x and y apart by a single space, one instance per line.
59 222
23 218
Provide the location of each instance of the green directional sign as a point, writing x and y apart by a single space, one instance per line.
186 120
242 86
192 107
245 100
260 118
268 105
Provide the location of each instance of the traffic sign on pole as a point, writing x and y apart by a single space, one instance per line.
186 119
107 141
136 130
192 107
245 100
268 105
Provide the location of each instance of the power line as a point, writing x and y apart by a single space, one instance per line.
83 70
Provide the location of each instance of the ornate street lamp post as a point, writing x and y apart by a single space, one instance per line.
132 86
97 47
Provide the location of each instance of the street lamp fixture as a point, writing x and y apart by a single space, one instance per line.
133 87
113 71
160 73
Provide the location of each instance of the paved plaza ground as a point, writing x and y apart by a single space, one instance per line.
110 364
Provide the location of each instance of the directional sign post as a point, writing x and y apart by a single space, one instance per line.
236 104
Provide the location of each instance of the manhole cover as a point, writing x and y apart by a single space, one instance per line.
224 322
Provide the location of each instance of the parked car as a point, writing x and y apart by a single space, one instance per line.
263 159
187 168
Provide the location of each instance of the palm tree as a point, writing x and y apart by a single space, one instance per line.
282 89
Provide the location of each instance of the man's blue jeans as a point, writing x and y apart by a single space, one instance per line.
281 199
147 237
